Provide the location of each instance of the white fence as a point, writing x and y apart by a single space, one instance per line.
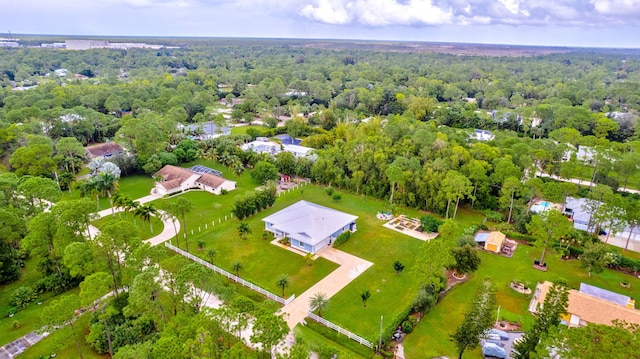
340 330
231 276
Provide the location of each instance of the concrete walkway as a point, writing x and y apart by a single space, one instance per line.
171 226
19 345
350 268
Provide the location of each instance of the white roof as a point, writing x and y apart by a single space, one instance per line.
298 149
266 145
309 222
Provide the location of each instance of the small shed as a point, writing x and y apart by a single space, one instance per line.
494 242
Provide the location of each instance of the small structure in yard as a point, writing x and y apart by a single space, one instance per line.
309 226
590 304
491 241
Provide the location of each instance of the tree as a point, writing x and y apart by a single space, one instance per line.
510 187
61 312
283 282
432 259
39 191
632 217
264 171
183 207
595 258
237 266
244 230
145 212
105 184
395 175
456 186
595 341
66 180
466 259
365 297
211 253
548 227
398 267
34 160
91 289
269 329
72 150
554 306
319 302
477 319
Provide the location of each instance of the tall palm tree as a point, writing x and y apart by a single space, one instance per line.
211 253
89 188
183 207
320 302
120 202
145 212
283 282
131 206
107 183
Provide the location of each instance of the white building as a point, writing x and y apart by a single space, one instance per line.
298 151
262 145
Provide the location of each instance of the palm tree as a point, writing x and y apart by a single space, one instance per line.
106 183
88 188
120 201
283 282
66 180
365 296
183 207
132 206
236 268
145 212
211 253
320 302
243 230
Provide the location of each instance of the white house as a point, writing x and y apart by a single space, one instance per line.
309 226
262 145
481 135
205 130
175 179
579 212
298 151
585 154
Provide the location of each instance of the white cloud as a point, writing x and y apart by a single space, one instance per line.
377 12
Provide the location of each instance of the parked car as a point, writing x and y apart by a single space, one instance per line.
493 350
503 335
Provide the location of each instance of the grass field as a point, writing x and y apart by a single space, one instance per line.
241 130
134 187
431 336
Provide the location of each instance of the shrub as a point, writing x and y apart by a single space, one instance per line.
407 326
22 296
336 197
328 191
201 243
430 224
15 324
342 238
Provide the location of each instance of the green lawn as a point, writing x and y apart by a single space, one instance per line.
242 130
62 344
143 229
134 187
431 337
341 343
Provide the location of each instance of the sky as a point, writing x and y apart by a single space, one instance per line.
584 23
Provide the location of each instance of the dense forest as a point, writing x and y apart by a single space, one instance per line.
398 126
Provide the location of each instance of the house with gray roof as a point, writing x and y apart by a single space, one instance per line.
298 151
309 226
205 130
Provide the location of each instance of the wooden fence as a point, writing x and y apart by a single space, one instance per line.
231 276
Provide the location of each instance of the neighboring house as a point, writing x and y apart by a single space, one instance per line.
481 135
585 154
309 227
173 179
590 305
285 139
103 150
262 145
298 151
204 131
578 210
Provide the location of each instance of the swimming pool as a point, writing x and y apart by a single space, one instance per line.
544 204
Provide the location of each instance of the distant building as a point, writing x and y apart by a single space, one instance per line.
9 44
262 145
589 305
85 44
177 179
103 150
298 151
205 130
481 135
585 154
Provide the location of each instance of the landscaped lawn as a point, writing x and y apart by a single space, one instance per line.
134 187
142 229
431 336
242 130
315 339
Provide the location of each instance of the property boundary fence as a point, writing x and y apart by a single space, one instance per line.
231 276
340 330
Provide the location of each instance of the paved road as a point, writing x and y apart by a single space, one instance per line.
350 268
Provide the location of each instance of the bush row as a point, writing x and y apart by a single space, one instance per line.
254 202
342 238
